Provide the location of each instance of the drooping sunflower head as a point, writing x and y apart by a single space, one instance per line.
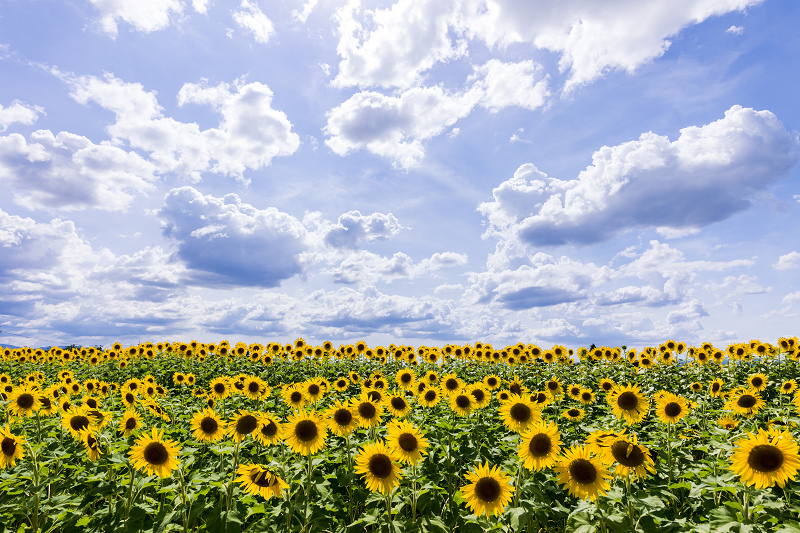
259 480
489 491
630 457
406 441
764 460
90 443
539 446
305 433
11 448
379 467
270 430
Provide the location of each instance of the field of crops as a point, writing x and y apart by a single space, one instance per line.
469 438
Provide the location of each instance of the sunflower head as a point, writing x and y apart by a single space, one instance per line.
539 446
11 448
379 466
764 460
155 454
489 490
583 475
305 433
259 480
406 441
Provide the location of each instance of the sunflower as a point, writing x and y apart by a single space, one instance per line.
539 446
130 421
76 419
586 397
48 405
745 402
583 475
628 403
220 388
758 381
88 438
489 491
764 460
432 377
305 433
270 430
461 403
631 457
313 390
519 413
405 378
451 384
367 410
574 391
179 378
11 448
354 377
242 424
155 454
670 408
406 442
727 422
379 467
715 388
254 387
294 397
430 396
398 405
341 419
128 397
24 400
480 393
492 381
606 385
696 386
341 384
788 387
206 426
515 386
258 479
573 414
553 386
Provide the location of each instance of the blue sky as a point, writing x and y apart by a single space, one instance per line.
417 172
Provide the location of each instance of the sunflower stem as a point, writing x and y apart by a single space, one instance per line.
186 510
745 503
630 498
389 512
129 501
306 516
229 491
414 492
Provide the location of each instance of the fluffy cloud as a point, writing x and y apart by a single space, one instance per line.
68 172
249 135
251 19
395 46
20 113
367 268
787 261
395 126
144 15
353 228
709 173
225 241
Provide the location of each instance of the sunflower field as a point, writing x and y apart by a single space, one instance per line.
469 438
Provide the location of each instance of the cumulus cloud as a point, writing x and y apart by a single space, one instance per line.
787 261
225 241
250 18
69 172
144 15
249 135
396 126
367 268
353 228
302 15
19 113
396 46
736 30
708 174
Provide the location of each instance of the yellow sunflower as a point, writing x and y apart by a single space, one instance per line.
492 381
130 421
294 397
406 441
727 422
715 388
405 378
220 388
242 424
758 381
398 405
519 413
76 419
207 426
430 396
630 456
155 454
765 460
24 400
539 446
258 479
451 384
670 408
11 448
489 490
461 403
628 403
367 410
606 385
583 475
379 467
573 414
270 430
88 438
480 393
305 433
788 386
586 397
341 419
745 402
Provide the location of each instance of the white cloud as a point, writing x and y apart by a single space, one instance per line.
144 15
736 30
250 18
791 299
706 175
353 229
302 16
367 268
249 135
69 172
395 46
520 84
787 261
19 113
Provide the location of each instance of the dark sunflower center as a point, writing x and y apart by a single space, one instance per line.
78 422
430 396
295 397
405 378
45 402
478 395
25 401
627 401
219 388
765 458
367 410
540 445
407 442
492 382
270 429
583 471
129 397
787 386
208 425
130 423
306 430
520 412
451 384
155 453
756 381
746 401
672 409
8 446
515 388
715 387
374 395
91 442
575 391
341 384
380 465
621 455
313 389
343 417
573 412
487 489
252 387
91 402
398 403
552 385
462 401
246 424
586 396
261 478
606 386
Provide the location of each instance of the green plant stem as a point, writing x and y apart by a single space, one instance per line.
387 497
229 491
184 500
414 492
745 503
129 502
35 461
306 516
